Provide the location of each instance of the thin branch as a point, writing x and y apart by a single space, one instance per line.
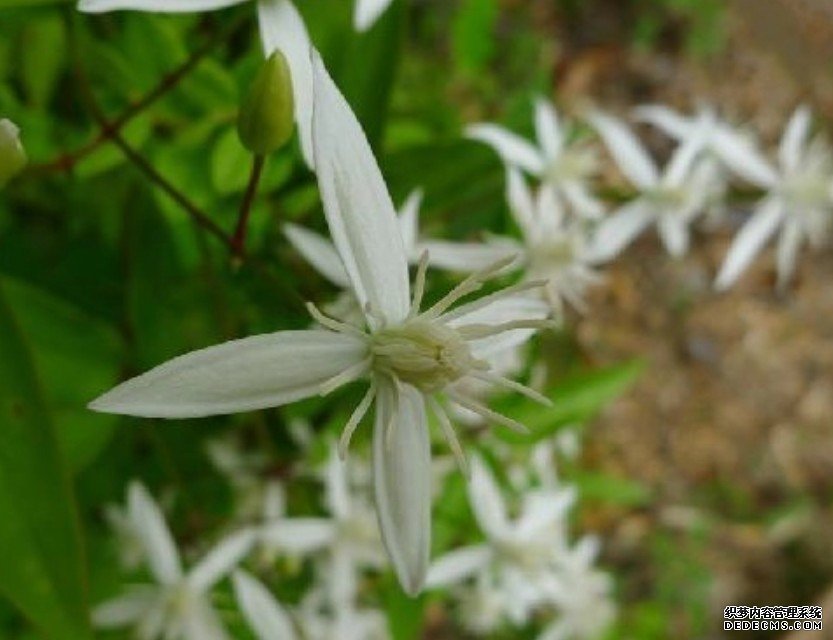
238 240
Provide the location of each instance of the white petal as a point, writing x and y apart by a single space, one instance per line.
338 491
794 139
357 204
241 375
513 150
221 560
584 203
547 129
617 230
682 161
749 241
487 501
409 223
788 245
499 311
468 256
521 204
674 235
342 575
402 482
299 536
124 610
550 211
202 622
742 157
319 252
457 565
262 611
367 12
544 509
282 27
154 534
630 156
161 6
666 120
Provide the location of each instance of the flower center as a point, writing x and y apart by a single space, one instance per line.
428 355
572 164
553 255
807 190
671 199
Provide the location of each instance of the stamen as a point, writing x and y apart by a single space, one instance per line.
486 413
479 331
471 284
355 418
508 383
331 323
419 284
450 435
493 297
350 374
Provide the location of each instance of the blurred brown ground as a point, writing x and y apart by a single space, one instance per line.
731 425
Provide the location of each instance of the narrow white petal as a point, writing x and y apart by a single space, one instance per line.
160 6
788 245
618 230
242 375
550 211
521 204
630 156
457 565
357 205
282 27
342 575
154 535
338 491
666 120
487 501
202 622
548 129
513 150
468 256
221 560
754 234
319 252
402 482
742 157
674 234
299 536
500 311
794 139
367 12
409 223
124 610
262 611
679 167
584 203
543 510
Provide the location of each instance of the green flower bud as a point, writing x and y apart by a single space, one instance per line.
266 117
12 155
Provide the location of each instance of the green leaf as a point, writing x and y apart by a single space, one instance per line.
405 614
42 571
78 358
40 66
575 400
473 45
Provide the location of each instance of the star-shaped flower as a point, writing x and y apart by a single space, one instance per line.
798 202
565 166
411 358
178 606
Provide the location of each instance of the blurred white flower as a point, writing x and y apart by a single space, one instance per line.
281 27
348 539
670 199
12 154
316 618
367 12
580 594
518 556
410 356
566 168
798 202
178 606
131 549
245 471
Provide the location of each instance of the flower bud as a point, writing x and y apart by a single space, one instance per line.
266 120
12 155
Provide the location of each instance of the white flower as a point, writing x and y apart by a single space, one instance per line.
264 614
12 154
246 473
349 537
281 27
670 199
178 606
580 595
564 166
518 556
368 11
411 357
129 543
798 202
